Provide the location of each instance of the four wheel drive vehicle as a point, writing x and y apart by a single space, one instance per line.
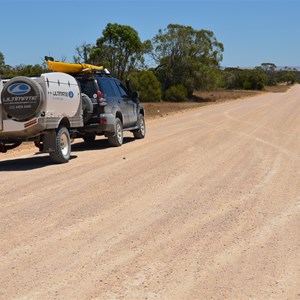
109 109
54 108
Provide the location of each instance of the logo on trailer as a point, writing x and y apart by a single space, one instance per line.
19 89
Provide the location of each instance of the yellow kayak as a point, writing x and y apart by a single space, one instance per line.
64 67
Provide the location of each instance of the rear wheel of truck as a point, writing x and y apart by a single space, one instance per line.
141 132
116 140
62 146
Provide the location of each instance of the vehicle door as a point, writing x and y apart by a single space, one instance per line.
130 104
121 103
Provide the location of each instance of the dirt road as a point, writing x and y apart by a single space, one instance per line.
206 207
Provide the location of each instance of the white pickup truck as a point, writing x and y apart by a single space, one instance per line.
45 110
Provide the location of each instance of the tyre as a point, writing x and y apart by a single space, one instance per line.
141 132
87 107
116 140
22 98
62 146
89 138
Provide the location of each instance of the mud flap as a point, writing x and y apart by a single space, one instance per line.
49 142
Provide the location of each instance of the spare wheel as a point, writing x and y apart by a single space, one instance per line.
22 98
87 107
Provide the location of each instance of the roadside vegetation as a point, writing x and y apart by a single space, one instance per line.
179 64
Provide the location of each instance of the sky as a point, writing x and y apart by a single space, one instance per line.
252 31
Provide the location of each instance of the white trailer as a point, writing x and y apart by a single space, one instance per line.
45 109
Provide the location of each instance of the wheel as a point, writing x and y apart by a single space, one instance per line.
141 132
87 107
116 140
22 98
89 138
62 146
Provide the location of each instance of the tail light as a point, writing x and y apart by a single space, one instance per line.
100 95
101 99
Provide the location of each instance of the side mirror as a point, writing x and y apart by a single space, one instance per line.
128 85
135 95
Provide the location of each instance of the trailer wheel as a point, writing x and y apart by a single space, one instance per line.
62 146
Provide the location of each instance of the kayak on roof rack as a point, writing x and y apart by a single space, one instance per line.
70 68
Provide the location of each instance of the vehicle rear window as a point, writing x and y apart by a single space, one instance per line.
89 87
106 88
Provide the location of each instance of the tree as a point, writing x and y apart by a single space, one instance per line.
270 71
268 67
2 63
246 79
83 53
119 48
184 55
24 70
147 84
287 76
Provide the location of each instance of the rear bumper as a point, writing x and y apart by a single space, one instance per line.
100 126
22 131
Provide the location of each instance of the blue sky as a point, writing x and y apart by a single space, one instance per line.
252 31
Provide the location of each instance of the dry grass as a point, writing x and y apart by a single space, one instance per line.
277 88
162 109
222 95
201 98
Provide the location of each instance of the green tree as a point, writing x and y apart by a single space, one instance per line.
147 84
287 76
83 53
270 71
119 48
247 79
268 67
256 79
25 70
184 55
2 63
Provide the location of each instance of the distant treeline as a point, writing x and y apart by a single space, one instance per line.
177 61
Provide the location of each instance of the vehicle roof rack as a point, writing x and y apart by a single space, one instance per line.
89 71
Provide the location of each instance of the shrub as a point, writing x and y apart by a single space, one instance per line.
147 84
177 93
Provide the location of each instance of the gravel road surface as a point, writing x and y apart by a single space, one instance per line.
207 206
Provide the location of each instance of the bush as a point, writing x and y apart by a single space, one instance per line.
177 93
247 79
147 84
